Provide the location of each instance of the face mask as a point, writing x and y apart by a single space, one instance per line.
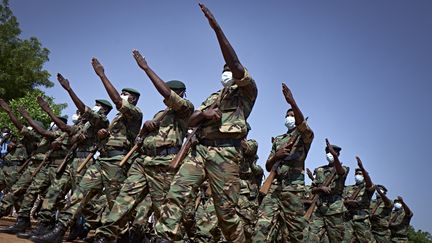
53 126
30 128
125 97
398 206
96 108
75 118
227 79
329 157
5 134
290 122
359 179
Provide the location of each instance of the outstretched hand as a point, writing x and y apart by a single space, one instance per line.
63 82
4 105
330 148
99 69
287 94
359 163
209 16
139 59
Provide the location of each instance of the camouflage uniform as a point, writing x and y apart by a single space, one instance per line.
9 171
216 157
357 223
105 175
69 179
379 218
399 224
330 208
281 211
150 173
207 229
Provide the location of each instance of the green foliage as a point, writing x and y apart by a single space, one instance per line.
30 103
21 61
419 236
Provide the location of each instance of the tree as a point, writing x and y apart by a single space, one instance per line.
419 236
30 103
21 61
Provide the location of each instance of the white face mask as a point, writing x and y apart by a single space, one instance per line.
329 157
227 79
96 108
359 179
53 126
75 118
290 122
398 206
30 128
125 97
5 134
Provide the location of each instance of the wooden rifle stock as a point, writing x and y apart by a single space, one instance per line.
69 155
143 132
42 164
315 197
87 159
26 163
184 149
267 183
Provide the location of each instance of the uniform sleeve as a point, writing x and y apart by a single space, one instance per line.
273 150
251 147
246 80
130 111
180 105
306 132
209 101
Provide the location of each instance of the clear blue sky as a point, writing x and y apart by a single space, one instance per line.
361 70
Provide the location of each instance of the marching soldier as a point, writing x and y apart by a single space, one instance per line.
381 209
400 220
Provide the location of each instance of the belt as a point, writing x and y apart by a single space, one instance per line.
161 151
329 198
112 153
81 154
15 162
221 142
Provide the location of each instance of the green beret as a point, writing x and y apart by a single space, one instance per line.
176 84
336 148
133 91
104 102
358 169
382 187
64 119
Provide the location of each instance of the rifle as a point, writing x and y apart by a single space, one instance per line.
87 159
315 197
143 132
69 156
27 162
191 138
42 164
267 183
376 207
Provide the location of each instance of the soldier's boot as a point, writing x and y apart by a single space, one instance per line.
41 228
77 231
102 239
54 236
3 213
20 226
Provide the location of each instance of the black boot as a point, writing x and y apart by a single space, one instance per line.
102 239
41 228
54 236
78 231
20 226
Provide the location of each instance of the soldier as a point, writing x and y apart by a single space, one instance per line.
14 158
5 137
400 220
381 209
105 174
150 172
51 151
217 153
357 201
328 216
281 211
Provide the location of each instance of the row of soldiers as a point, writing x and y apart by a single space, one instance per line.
194 173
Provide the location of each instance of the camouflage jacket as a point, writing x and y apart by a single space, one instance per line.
361 208
399 223
88 126
380 218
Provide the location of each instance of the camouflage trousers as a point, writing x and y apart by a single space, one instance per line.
280 217
8 176
39 186
16 193
247 210
104 176
399 239
54 198
330 225
381 236
147 175
207 229
220 165
358 230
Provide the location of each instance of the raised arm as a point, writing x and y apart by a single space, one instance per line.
367 179
160 85
77 101
298 115
408 212
386 200
61 125
337 164
33 124
228 52
112 92
12 116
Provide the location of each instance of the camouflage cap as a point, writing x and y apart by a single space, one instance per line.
176 84
133 91
64 119
104 102
335 148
